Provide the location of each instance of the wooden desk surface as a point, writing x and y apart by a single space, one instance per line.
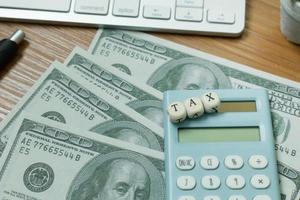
261 46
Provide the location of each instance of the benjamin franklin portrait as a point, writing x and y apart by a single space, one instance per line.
120 175
129 131
190 74
151 109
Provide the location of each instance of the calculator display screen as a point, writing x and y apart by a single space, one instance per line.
222 134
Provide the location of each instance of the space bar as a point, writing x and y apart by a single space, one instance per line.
48 5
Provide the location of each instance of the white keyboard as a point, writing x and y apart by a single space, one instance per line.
210 17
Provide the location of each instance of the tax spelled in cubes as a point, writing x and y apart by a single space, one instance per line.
194 107
177 112
211 102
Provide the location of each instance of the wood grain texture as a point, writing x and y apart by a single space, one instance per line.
261 46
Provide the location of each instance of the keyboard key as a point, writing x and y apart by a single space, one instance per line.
235 181
185 163
128 8
260 181
234 162
53 5
209 162
237 197
258 162
221 17
189 3
157 12
262 197
99 7
189 14
186 182
211 182
186 198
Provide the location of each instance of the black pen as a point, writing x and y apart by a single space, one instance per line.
9 47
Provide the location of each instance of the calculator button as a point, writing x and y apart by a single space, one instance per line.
260 181
262 197
234 162
235 181
157 12
212 198
189 14
186 198
185 163
211 182
221 17
258 162
186 182
128 8
209 162
237 197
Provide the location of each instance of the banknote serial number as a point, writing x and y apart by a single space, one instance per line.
51 92
28 144
286 150
108 48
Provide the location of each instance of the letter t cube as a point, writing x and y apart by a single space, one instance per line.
177 112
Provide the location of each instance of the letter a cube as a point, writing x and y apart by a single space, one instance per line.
194 107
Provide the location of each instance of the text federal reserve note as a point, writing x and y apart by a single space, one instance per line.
47 161
165 65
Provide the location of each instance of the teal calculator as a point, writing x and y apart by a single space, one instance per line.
228 155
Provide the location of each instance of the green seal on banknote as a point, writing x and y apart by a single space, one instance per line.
110 177
38 177
189 73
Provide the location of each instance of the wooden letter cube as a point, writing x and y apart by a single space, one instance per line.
194 107
177 112
211 102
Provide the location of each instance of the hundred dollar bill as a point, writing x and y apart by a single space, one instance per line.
165 65
47 160
58 95
121 87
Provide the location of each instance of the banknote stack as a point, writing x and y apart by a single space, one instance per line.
91 128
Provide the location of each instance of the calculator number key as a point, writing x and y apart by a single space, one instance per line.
237 197
211 182
234 162
185 163
186 198
212 198
209 162
260 181
262 197
258 162
235 181
186 182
